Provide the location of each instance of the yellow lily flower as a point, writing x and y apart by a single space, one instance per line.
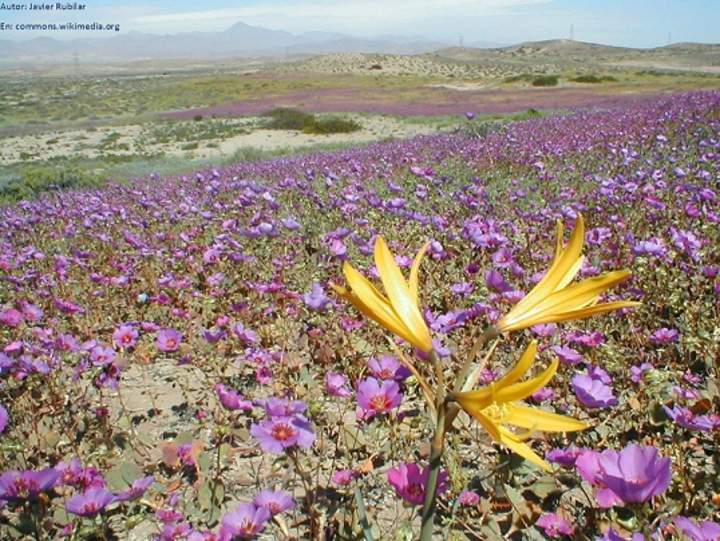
498 404
398 312
552 300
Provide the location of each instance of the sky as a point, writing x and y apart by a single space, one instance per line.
635 23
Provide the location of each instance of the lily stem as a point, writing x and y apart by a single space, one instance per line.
436 451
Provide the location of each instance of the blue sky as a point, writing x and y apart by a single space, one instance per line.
639 23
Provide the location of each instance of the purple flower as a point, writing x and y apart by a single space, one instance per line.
612 535
653 247
567 355
376 398
277 434
343 477
231 399
410 482
387 367
637 373
11 317
687 419
275 501
503 258
469 115
90 503
125 337
136 490
247 336
245 522
636 474
554 525
336 384
593 393
565 457
698 531
168 340
495 282
101 356
316 299
468 498
664 336
281 407
17 486
4 418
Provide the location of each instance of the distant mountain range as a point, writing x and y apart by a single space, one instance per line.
252 42
240 40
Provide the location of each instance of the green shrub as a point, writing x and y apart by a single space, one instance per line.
330 125
593 79
545 80
33 181
283 118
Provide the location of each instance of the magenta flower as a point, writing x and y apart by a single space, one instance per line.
17 486
698 531
101 356
11 317
375 398
275 501
4 418
410 482
90 503
277 434
125 337
592 392
388 367
664 336
336 384
554 525
468 498
343 477
612 535
231 399
136 490
245 522
168 340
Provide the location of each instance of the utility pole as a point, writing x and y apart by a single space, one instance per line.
461 42
572 32
669 38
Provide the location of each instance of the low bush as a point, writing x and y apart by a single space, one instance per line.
545 80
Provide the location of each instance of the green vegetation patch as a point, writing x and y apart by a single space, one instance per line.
283 118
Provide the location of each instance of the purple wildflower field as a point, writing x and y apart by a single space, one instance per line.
179 359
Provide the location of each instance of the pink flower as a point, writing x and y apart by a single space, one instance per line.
468 498
554 525
125 337
376 398
410 482
336 385
168 340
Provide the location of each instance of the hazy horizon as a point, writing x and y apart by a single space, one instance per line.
639 23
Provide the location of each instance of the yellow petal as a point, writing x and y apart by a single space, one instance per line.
509 440
518 391
474 400
522 366
561 267
400 298
488 424
373 304
559 229
413 283
577 295
593 310
537 419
